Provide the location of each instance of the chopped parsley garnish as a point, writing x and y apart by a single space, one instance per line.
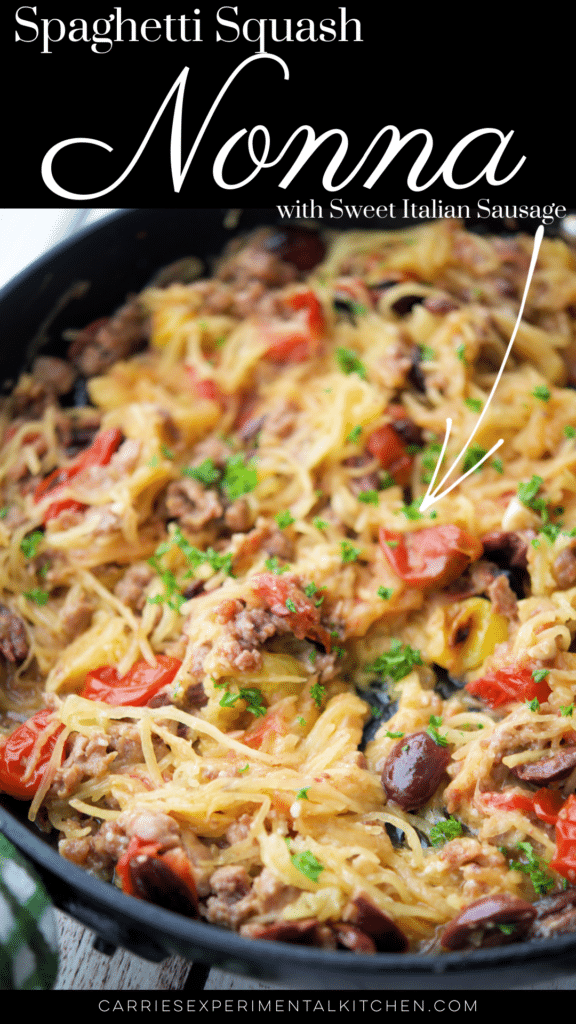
433 724
569 431
533 705
567 710
498 465
385 593
319 524
539 674
251 695
318 692
302 794
430 457
29 545
239 477
284 519
307 864
273 565
349 552
4 512
472 457
349 362
386 480
427 354
473 403
38 596
527 492
507 929
396 663
290 604
540 878
206 473
542 392
393 735
194 557
354 435
461 353
166 452
369 497
244 769
444 831
301 721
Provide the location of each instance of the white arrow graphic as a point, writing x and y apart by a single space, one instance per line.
434 495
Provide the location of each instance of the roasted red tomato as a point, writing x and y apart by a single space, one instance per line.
16 751
385 445
296 337
205 387
135 688
283 597
545 803
565 860
512 683
430 558
98 454
162 878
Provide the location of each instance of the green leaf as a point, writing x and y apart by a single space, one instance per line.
349 362
307 864
239 477
444 831
396 663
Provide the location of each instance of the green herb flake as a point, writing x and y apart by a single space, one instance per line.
318 692
427 354
433 724
4 512
319 524
396 663
567 710
539 674
38 596
273 565
540 878
474 404
302 794
569 431
473 456
290 604
542 392
498 465
354 435
239 477
369 497
385 593
284 519
244 769
307 864
301 721
349 552
507 929
461 353
252 696
206 473
29 545
394 735
349 362
444 831
166 452
533 705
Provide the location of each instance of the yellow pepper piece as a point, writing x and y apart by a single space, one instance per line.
471 632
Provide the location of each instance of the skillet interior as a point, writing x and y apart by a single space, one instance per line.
94 272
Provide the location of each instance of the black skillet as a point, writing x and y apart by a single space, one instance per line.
76 283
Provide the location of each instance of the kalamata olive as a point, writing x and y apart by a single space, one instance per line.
506 548
369 919
490 921
548 769
155 882
353 938
555 915
406 303
300 246
413 770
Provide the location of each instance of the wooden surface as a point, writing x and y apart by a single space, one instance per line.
83 968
